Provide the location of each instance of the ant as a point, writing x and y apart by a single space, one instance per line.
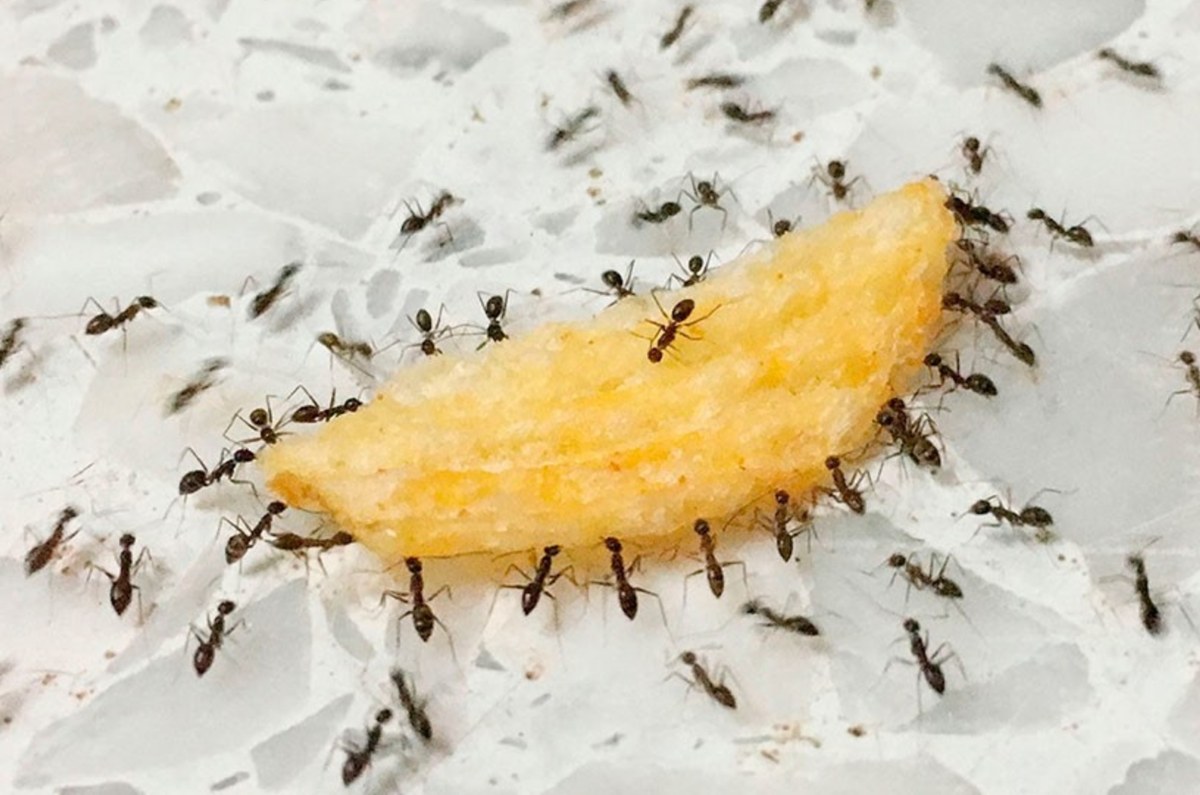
1183 236
1139 68
1076 234
705 194
920 579
974 152
197 479
798 624
694 272
618 285
571 128
120 594
969 214
618 87
37 557
665 211
417 718
10 341
713 569
358 759
978 383
202 660
1025 92
418 220
672 35
263 422
911 437
735 112
989 264
778 524
242 541
677 321
1188 359
767 10
717 80
833 176
430 330
717 691
311 412
626 593
103 322
955 302
347 349
542 579
291 542
845 491
930 664
495 309
422 614
1151 618
267 298
1030 515
204 380
569 8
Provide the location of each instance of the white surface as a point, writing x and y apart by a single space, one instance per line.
177 151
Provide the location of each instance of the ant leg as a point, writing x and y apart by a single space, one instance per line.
662 610
399 596
438 592
676 675
514 567
745 581
449 640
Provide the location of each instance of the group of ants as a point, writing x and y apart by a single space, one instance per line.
912 434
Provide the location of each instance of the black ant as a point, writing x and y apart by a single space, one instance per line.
495 308
422 614
103 322
978 383
618 87
430 330
11 339
1188 359
785 512
626 592
930 664
571 128
1076 234
358 758
665 211
717 691
920 579
1030 515
418 219
974 152
767 10
989 264
1151 617
417 717
970 214
41 553
705 194
672 35
911 437
1025 92
120 593
202 660
242 541
262 421
693 272
291 542
833 176
798 624
716 80
735 112
956 302
1139 68
845 491
347 349
713 569
617 285
267 298
197 479
677 321
542 579
204 380
312 412
1184 236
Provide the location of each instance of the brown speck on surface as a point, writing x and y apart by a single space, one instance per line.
173 104
857 730
595 173
534 672
770 754
876 72
797 136
49 678
108 655
219 300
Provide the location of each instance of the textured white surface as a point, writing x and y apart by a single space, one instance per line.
178 150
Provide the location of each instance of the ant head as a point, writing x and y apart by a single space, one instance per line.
781 227
226 607
146 302
704 186
669 209
836 169
612 279
328 339
259 418
1036 214
243 455
752 607
424 321
682 310
782 497
494 307
933 359
971 143
68 513
695 263
885 418
688 658
997 306
897 560
128 540
1187 357
654 355
413 565
1136 562
289 270
981 507
1178 237
832 463
1106 52
383 715
552 550
341 537
276 507
701 527
953 300
612 544
353 404
911 625
896 404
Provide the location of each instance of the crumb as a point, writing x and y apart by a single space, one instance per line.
857 730
595 173
797 136
534 672
218 300
173 104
